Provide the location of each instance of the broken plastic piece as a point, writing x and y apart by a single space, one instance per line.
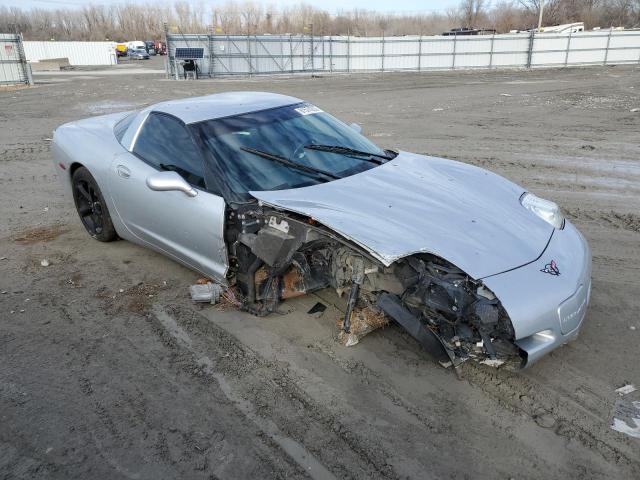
625 390
429 340
207 293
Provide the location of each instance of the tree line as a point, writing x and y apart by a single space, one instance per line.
147 21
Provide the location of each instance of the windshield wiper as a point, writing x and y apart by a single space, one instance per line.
278 159
349 151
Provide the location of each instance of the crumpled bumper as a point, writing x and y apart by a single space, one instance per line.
547 307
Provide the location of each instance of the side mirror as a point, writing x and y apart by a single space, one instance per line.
167 181
356 127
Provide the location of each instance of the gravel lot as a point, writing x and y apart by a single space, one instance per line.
107 370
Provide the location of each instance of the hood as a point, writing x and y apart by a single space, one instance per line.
415 203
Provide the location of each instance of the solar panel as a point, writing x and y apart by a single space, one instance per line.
189 53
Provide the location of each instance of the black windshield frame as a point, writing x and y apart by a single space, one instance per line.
276 131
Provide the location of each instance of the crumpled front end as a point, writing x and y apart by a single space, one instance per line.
454 317
511 318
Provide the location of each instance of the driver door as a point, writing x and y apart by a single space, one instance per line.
186 228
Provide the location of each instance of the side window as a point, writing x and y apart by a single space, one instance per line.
121 127
165 143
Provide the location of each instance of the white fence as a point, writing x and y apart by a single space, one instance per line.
78 53
271 54
13 64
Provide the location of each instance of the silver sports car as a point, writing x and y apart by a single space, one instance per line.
277 198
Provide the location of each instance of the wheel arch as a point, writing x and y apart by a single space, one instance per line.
74 167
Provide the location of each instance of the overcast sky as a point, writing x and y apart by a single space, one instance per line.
332 6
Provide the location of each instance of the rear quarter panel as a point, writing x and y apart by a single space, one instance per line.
92 144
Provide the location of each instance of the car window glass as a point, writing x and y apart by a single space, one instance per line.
121 127
282 131
165 143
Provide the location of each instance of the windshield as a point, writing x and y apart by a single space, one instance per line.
254 149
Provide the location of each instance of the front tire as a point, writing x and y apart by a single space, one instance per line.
91 206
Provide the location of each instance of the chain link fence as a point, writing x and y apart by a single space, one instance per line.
14 68
290 54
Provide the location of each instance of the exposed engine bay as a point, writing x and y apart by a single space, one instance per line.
276 255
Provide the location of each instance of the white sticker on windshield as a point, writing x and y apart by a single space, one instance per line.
308 110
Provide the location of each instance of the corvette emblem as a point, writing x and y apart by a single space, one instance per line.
551 268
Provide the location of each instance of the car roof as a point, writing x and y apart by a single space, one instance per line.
220 105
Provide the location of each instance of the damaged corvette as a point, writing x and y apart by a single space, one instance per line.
276 198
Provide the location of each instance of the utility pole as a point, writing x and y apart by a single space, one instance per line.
540 15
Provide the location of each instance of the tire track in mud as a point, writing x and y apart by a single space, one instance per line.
125 422
266 394
564 173
571 419
19 151
368 377
297 452
611 219
427 422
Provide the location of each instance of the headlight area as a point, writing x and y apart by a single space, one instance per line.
545 209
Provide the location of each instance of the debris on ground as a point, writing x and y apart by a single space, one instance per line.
625 390
634 110
626 418
206 293
44 262
203 281
506 95
438 109
229 299
363 321
317 310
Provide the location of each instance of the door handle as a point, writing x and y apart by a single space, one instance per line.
123 171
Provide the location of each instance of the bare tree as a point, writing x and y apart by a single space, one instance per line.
551 15
470 12
128 21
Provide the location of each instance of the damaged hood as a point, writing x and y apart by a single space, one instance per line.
415 203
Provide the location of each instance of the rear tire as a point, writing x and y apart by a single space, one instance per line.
91 206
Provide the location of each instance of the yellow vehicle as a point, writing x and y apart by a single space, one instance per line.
121 49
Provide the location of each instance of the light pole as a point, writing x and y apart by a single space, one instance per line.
540 15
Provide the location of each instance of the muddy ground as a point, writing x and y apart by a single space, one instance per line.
107 370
